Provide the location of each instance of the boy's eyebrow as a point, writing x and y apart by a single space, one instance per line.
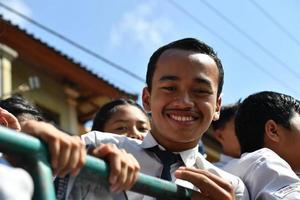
120 120
169 78
203 81
174 78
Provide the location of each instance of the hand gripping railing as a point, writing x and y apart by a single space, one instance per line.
22 144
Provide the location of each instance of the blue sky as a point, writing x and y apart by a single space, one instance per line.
258 41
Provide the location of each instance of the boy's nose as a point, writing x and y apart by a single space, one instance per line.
184 100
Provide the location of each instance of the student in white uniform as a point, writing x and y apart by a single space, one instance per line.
223 130
268 129
67 155
184 83
15 183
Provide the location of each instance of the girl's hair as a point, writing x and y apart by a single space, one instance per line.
108 109
18 106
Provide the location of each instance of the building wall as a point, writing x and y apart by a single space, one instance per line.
50 95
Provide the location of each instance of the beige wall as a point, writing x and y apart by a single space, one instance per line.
50 94
7 55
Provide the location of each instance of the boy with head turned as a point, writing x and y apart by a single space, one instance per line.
268 129
223 130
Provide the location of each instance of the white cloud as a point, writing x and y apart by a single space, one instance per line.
142 26
18 5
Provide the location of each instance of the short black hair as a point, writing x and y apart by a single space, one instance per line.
227 113
256 110
107 110
189 44
19 106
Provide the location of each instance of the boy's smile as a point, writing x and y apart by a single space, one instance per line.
183 99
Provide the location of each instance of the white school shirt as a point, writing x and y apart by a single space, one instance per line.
15 183
151 165
266 175
224 159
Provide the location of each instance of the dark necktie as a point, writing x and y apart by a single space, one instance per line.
167 159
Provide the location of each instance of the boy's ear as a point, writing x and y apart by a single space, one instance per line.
271 131
146 99
218 136
218 109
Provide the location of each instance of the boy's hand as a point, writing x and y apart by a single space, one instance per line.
211 186
124 167
9 120
67 152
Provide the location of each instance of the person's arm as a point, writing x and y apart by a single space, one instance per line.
211 186
67 152
124 167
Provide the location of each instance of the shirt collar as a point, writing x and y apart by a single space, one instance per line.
188 156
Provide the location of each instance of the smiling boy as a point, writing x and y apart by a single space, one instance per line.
182 98
184 83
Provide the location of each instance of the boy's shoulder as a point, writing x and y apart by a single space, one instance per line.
263 172
255 160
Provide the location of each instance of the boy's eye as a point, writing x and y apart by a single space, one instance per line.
169 88
202 91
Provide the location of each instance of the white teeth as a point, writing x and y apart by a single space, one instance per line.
182 118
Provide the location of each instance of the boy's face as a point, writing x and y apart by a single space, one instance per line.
183 100
289 144
228 139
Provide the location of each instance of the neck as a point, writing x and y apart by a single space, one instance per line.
173 146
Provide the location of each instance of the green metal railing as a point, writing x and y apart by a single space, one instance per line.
22 144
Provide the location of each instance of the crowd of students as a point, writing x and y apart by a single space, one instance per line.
183 99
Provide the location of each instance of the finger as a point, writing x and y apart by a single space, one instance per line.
207 186
133 170
120 184
63 157
73 159
121 179
9 120
218 180
82 158
54 149
3 122
103 150
115 170
110 152
125 179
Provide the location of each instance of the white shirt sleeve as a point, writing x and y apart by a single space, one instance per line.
15 183
96 138
266 175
